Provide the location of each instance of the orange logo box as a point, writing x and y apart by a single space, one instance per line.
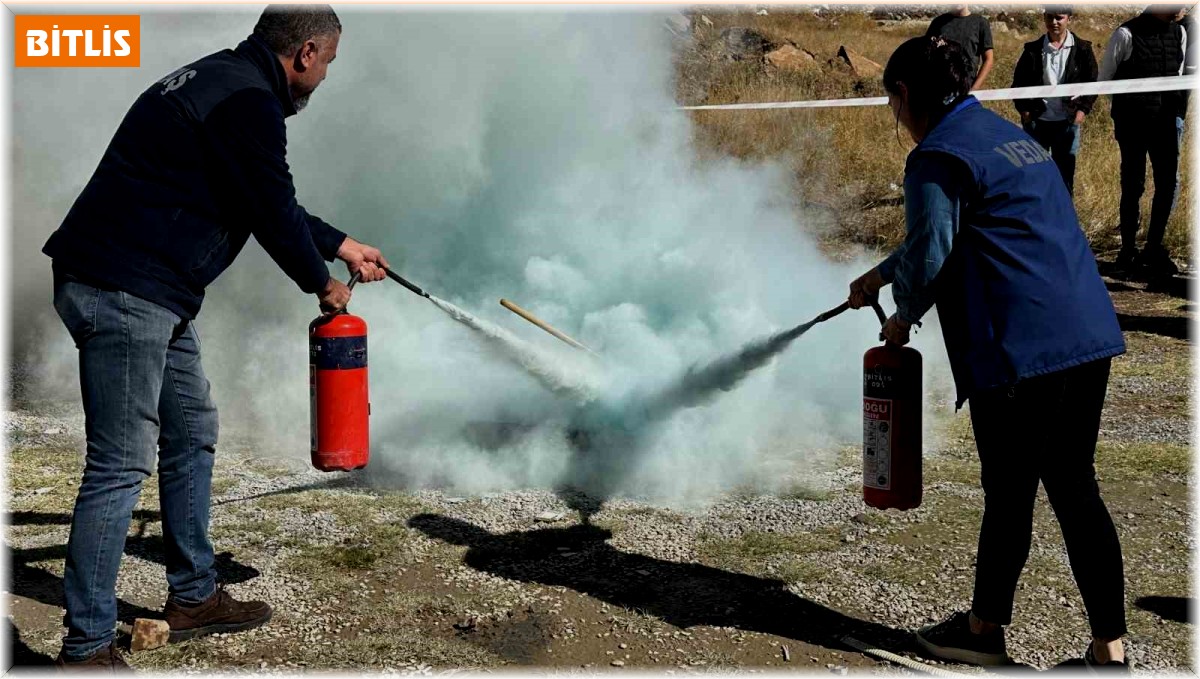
78 40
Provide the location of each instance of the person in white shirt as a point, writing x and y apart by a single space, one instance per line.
1151 45
1059 57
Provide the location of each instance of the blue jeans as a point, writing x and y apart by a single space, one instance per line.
143 392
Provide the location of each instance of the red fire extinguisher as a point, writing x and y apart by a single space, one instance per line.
337 378
891 425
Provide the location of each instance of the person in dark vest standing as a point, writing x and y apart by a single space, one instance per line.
973 33
197 166
993 240
1059 57
1151 45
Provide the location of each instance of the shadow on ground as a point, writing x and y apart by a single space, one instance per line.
1173 608
20 654
1167 326
36 583
680 594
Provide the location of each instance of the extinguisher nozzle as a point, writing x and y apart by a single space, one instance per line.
399 279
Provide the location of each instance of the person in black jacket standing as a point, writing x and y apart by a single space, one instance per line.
1151 45
1057 58
197 166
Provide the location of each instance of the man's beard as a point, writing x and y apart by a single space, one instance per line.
300 99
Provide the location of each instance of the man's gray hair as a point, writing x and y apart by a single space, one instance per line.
285 28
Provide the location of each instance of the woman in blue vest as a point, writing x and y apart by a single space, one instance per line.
994 242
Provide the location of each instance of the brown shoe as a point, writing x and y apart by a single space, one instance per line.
220 613
107 659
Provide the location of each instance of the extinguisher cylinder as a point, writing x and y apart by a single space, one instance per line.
339 400
892 393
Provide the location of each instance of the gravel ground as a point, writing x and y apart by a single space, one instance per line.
312 618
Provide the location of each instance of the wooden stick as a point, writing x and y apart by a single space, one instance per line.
543 325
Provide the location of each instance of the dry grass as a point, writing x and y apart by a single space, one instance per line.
847 162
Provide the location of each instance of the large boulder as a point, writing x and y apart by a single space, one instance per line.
791 58
859 65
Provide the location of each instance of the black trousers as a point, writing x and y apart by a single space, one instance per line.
1061 139
1045 429
1159 138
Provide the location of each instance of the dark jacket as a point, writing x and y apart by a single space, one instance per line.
1019 294
1080 68
196 167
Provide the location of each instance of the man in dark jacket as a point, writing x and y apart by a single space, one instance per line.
1150 124
1057 58
197 166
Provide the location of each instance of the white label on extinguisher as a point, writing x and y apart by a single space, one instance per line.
877 443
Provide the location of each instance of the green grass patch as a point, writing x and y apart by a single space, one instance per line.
1154 356
763 545
221 486
376 546
349 508
322 562
805 491
269 469
26 462
906 571
1120 461
876 518
952 470
800 570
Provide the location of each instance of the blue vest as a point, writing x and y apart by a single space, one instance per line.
1019 294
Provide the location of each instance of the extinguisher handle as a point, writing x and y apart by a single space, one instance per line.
349 285
879 312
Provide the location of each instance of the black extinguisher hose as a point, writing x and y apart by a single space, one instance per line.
354 279
399 279
879 312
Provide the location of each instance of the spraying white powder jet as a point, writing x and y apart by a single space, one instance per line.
559 382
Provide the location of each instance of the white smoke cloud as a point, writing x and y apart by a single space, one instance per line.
520 154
